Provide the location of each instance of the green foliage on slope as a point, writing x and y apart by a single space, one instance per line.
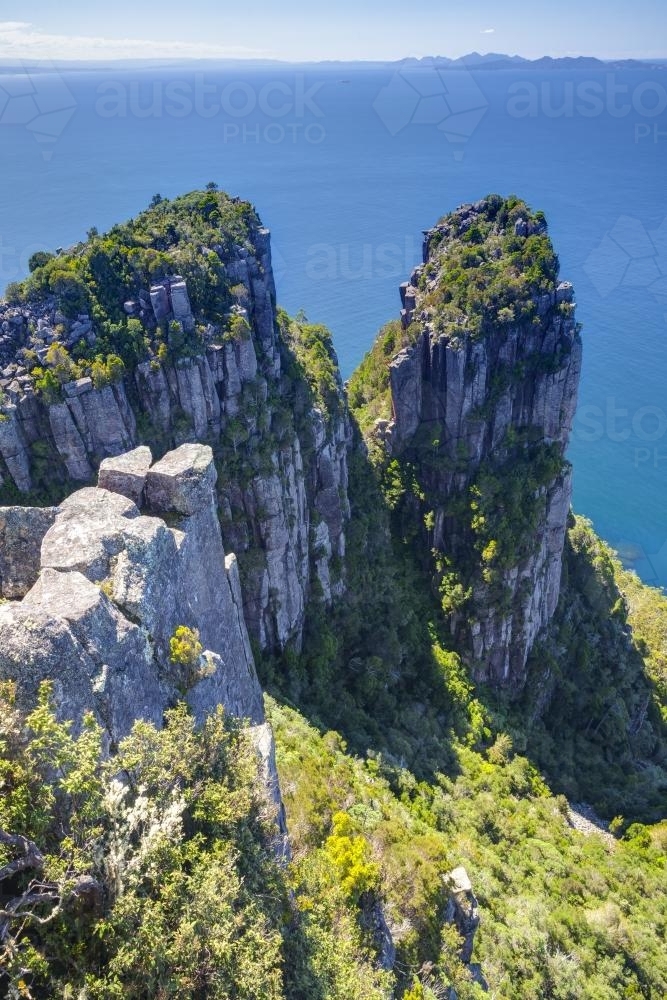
313 358
563 915
380 668
149 874
191 235
156 879
368 389
437 781
484 274
374 665
603 734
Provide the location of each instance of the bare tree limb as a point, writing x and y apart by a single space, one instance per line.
32 856
35 895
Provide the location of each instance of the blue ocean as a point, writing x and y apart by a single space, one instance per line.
347 166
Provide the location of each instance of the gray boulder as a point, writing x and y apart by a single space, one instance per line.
182 481
160 303
126 474
180 304
21 532
462 909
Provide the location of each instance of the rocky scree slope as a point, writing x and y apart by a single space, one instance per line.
469 403
162 331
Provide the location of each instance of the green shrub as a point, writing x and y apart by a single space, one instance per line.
185 648
39 259
47 385
350 855
156 875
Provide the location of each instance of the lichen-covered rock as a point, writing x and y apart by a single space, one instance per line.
126 473
21 532
182 481
116 584
100 606
88 532
66 630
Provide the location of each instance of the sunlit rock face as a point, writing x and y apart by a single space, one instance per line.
112 586
483 398
282 484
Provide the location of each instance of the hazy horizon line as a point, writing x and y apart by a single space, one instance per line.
6 60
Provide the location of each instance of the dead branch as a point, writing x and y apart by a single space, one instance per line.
32 856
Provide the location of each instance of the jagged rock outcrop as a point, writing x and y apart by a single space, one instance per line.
263 740
462 910
284 507
483 396
109 590
21 532
114 585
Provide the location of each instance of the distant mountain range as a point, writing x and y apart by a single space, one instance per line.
496 60
473 60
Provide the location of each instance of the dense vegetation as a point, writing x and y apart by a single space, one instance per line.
158 879
564 915
604 657
193 236
152 873
368 389
435 774
311 359
487 271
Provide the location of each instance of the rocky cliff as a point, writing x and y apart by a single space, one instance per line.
103 594
166 330
112 576
108 346
481 393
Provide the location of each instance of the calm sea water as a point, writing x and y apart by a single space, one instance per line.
347 167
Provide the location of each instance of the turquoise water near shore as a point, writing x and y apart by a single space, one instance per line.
347 166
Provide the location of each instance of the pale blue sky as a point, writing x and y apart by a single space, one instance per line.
342 29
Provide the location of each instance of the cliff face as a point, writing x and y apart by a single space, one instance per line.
105 586
108 586
212 365
482 398
166 331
